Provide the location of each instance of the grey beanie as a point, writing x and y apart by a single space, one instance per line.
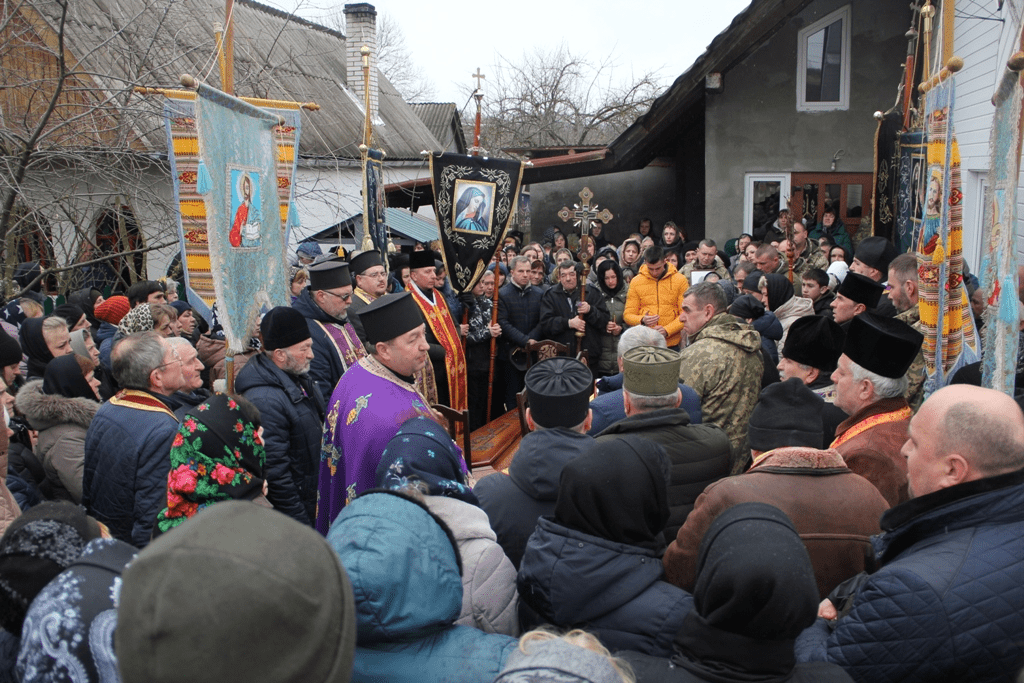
239 593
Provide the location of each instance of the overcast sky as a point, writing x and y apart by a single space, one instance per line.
449 41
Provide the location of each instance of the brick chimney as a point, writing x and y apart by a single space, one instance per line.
360 30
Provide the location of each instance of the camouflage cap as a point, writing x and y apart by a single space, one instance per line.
651 371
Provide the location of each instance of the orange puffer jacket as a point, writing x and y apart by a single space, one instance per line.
663 297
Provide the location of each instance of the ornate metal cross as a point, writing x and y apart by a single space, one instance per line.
583 214
478 76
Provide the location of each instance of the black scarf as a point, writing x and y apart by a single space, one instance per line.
604 268
780 290
34 346
617 491
64 377
755 593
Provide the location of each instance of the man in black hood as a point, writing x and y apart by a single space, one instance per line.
755 594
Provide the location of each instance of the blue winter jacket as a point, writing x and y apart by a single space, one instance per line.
105 341
405 574
770 329
948 601
127 458
292 414
617 592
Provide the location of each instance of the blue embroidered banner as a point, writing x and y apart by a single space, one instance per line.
237 178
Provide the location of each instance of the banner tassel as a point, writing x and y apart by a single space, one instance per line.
204 184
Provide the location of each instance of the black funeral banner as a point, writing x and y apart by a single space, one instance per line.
474 199
887 161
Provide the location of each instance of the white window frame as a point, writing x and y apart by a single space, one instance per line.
843 104
785 187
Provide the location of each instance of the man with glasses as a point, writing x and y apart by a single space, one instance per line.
324 305
128 440
371 282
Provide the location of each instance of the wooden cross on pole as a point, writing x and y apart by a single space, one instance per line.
478 95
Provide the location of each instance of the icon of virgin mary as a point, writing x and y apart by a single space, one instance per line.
471 211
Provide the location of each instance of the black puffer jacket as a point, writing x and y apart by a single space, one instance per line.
292 413
699 456
514 502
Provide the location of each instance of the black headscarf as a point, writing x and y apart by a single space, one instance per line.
34 346
617 491
604 268
755 593
71 313
780 290
64 377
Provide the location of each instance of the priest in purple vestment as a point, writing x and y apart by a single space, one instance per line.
372 400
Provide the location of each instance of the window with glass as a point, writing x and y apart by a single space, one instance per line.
764 194
823 63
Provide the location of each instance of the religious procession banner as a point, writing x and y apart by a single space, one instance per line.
183 148
474 199
910 193
887 160
232 216
950 340
374 217
999 264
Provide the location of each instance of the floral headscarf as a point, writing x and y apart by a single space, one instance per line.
216 455
422 451
139 319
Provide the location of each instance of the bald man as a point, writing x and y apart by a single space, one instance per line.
947 602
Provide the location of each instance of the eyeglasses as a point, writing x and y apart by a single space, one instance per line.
888 287
343 297
376 276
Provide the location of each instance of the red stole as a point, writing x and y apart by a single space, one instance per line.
439 319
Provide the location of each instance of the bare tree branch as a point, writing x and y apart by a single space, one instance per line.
557 98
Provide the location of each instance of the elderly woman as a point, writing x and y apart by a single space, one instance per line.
217 455
61 407
422 456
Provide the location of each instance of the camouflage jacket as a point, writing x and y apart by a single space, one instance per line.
723 366
917 373
810 257
718 268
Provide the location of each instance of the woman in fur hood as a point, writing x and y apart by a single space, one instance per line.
60 407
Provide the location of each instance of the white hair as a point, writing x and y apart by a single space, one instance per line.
638 336
643 403
885 387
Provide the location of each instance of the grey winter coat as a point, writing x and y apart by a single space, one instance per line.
490 601
62 424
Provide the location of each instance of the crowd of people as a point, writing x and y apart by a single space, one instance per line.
731 473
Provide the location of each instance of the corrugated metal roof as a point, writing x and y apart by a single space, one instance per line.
444 122
411 225
277 56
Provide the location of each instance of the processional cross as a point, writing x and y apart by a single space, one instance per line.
583 215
